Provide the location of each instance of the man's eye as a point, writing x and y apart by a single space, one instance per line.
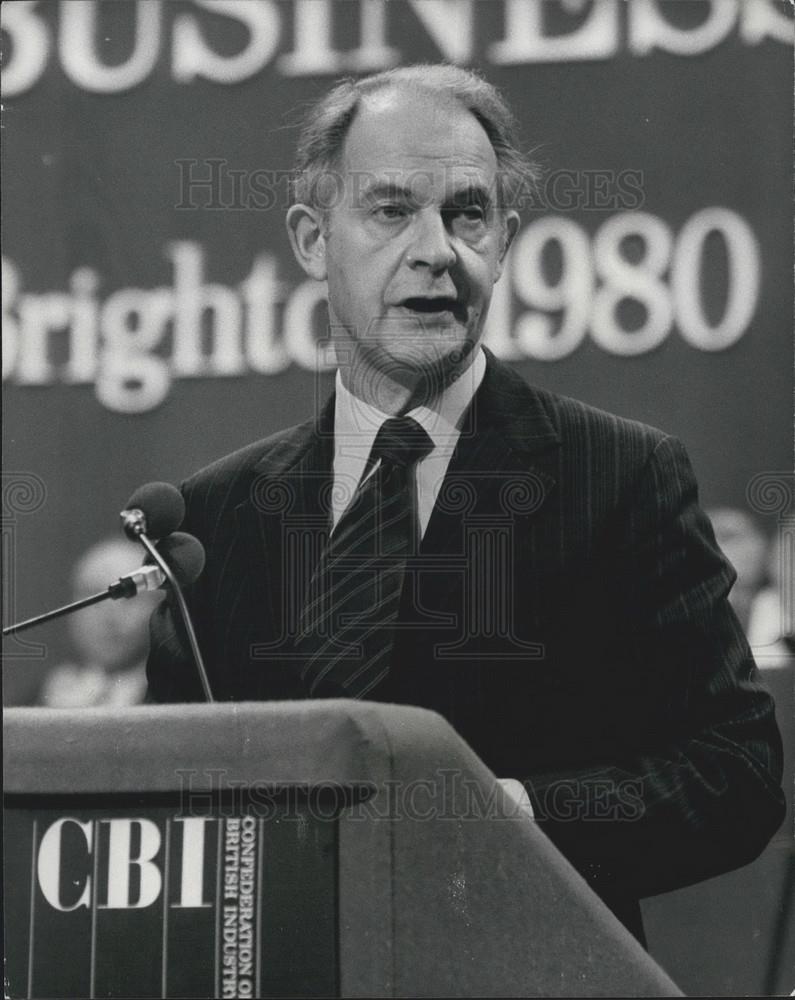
389 213
473 213
468 215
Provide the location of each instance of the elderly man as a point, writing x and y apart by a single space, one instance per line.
443 535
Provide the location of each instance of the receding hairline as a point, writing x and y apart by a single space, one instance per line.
379 92
380 100
322 141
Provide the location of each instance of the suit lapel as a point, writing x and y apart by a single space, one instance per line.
285 519
504 463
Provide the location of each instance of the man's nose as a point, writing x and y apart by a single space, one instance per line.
430 245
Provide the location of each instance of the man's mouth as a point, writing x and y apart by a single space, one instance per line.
431 306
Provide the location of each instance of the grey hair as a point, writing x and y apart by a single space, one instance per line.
326 125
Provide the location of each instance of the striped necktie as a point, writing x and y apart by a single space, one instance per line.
346 628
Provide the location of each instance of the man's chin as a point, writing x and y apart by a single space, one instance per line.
437 358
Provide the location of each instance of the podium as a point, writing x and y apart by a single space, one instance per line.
318 848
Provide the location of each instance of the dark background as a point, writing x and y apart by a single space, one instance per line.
91 180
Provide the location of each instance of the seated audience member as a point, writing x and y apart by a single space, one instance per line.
771 630
110 639
744 546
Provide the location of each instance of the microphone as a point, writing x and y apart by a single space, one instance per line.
150 509
186 558
145 578
184 553
155 509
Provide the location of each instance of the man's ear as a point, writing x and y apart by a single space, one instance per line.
510 229
307 238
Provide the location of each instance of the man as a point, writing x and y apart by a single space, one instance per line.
443 535
109 639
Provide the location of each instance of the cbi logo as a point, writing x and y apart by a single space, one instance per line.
123 863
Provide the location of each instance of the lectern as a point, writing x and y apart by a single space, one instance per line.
316 848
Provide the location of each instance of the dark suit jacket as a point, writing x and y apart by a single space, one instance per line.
566 613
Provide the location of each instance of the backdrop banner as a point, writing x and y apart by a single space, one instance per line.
153 316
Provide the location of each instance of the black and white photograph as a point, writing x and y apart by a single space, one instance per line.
398 528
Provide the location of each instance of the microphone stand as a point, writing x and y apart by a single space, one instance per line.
57 613
183 608
146 578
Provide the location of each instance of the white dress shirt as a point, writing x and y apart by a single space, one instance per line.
356 425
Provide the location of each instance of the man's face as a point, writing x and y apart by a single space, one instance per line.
415 244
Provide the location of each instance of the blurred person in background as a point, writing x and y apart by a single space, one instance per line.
745 546
770 625
110 639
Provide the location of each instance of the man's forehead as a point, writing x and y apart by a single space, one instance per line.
399 132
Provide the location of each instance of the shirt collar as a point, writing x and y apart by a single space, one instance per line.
357 423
